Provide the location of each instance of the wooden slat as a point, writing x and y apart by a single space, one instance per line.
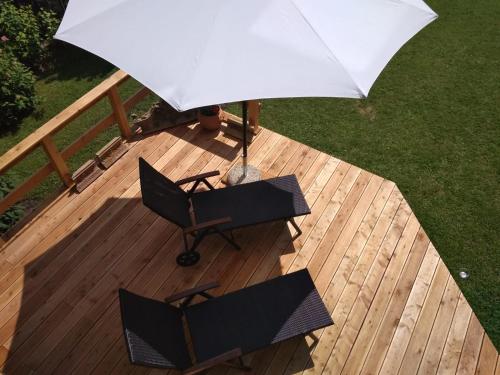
437 338
119 112
416 346
456 337
410 314
357 336
487 358
394 309
353 298
57 161
472 347
87 137
341 290
56 123
136 98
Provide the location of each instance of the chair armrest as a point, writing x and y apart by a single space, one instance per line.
207 224
192 292
220 359
197 177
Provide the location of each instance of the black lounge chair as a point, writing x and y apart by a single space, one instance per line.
200 213
221 329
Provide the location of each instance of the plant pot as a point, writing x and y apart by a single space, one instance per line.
209 117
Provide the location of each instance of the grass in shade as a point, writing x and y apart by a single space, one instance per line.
431 124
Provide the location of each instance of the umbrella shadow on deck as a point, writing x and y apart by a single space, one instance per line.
208 140
66 314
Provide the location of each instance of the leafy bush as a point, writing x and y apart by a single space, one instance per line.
49 23
17 90
13 214
26 34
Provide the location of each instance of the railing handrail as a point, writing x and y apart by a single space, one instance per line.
56 123
43 136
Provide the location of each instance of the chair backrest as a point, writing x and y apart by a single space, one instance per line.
153 332
163 196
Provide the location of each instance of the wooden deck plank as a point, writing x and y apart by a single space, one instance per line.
348 284
487 358
395 306
357 335
363 231
437 338
357 303
456 337
394 309
424 324
469 355
409 316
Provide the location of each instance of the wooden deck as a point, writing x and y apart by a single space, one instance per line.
395 306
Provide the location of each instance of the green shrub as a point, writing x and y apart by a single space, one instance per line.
17 91
13 214
49 23
26 34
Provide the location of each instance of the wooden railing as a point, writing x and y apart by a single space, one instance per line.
43 136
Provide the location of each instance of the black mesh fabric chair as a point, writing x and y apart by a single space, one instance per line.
222 329
200 213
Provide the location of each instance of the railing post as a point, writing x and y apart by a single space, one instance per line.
119 112
57 160
253 115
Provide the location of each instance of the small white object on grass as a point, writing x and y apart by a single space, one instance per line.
463 274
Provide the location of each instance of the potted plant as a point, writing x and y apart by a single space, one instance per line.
209 117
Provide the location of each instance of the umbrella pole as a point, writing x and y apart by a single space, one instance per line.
243 173
245 126
245 129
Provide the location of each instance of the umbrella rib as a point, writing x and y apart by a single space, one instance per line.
60 32
200 53
362 94
425 9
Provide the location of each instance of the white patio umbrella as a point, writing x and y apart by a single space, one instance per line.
194 53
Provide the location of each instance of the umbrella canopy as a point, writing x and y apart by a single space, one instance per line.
194 53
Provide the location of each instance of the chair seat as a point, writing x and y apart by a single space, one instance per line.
257 316
253 203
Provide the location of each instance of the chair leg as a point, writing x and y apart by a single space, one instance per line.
190 256
240 365
186 243
314 338
230 240
294 224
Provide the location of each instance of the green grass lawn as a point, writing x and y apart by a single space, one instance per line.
431 124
